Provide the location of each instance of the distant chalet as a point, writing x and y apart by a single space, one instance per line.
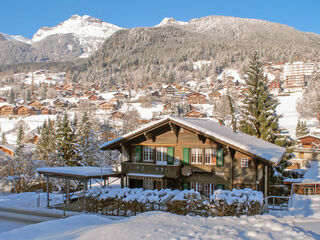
199 154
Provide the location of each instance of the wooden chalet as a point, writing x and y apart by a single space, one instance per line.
168 90
93 98
22 111
7 110
59 103
195 114
46 111
2 99
215 95
35 104
117 115
120 96
196 98
199 154
107 106
274 86
308 149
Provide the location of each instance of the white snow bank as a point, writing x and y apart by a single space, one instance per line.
160 225
237 196
69 228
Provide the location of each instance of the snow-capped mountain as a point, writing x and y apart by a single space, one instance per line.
91 32
79 36
170 21
17 38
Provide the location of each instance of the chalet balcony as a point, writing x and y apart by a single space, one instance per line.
168 171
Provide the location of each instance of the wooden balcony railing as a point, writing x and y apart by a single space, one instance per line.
169 171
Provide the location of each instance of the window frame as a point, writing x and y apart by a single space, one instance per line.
198 155
209 156
162 152
244 162
147 151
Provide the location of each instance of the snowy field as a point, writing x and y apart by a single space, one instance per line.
301 222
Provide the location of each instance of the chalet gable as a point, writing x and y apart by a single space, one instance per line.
204 128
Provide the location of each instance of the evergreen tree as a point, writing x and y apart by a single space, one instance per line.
259 117
46 145
29 96
302 129
66 142
258 113
11 97
88 143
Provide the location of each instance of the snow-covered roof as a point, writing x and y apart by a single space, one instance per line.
85 172
309 135
260 148
145 175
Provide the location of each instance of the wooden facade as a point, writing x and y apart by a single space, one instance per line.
22 110
195 114
180 157
35 104
107 106
7 110
196 98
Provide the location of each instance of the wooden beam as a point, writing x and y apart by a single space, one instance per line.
201 138
175 129
150 135
48 196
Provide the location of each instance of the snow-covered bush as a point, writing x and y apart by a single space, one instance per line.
127 202
237 202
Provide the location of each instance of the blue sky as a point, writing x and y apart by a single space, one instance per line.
25 17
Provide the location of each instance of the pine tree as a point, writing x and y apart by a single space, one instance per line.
302 129
29 96
11 97
88 143
259 117
258 113
66 142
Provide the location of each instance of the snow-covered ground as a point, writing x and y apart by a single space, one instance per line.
287 108
301 222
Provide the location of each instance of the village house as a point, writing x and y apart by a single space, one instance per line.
196 98
215 95
195 114
35 104
22 111
46 111
7 110
93 98
117 115
168 91
8 149
308 149
108 106
120 96
199 154
274 86
2 99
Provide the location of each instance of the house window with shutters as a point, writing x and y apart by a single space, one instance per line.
161 155
196 155
210 155
244 162
147 154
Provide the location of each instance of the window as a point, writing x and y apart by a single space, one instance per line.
147 154
210 156
208 189
196 155
196 186
161 155
244 162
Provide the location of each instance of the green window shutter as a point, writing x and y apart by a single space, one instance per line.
138 153
185 186
186 155
170 154
220 157
220 186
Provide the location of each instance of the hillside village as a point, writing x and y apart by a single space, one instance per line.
46 94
